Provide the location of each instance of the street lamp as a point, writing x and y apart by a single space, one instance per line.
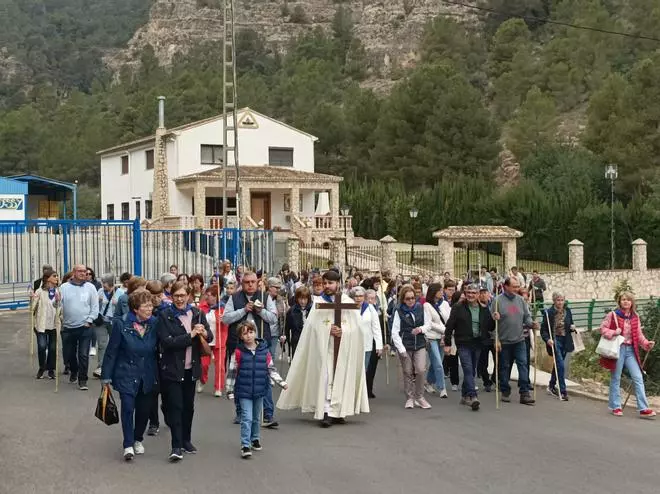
344 212
611 173
413 215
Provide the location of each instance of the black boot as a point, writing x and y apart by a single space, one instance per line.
326 422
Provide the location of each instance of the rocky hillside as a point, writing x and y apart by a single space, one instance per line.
389 29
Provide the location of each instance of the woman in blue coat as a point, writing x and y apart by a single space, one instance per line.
560 319
130 366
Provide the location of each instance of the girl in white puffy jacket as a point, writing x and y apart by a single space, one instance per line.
436 310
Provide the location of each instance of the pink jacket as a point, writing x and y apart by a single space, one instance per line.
610 327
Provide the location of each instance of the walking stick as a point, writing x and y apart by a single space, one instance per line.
535 311
554 356
383 310
497 355
31 306
630 388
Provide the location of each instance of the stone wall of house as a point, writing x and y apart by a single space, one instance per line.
578 284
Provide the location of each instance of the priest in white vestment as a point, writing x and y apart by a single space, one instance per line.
315 384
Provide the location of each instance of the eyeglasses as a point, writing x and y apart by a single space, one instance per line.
179 295
409 298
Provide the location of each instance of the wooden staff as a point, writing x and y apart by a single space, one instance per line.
497 354
386 345
554 356
646 357
31 307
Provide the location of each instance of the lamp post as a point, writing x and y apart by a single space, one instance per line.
413 215
611 173
344 212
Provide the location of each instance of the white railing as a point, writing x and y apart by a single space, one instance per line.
324 222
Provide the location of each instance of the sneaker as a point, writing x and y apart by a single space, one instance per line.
82 386
153 430
454 387
270 424
466 400
218 393
647 414
139 448
51 374
430 389
256 445
506 397
410 404
552 390
189 448
176 455
326 422
475 404
422 403
200 387
40 374
92 351
73 379
564 397
526 399
617 412
129 453
97 373
246 452
443 393
488 388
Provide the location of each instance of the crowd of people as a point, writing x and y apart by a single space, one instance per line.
154 342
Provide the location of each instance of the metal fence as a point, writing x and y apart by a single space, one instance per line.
117 247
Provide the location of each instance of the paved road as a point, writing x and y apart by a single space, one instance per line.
52 443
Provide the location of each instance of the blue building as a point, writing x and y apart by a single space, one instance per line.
31 197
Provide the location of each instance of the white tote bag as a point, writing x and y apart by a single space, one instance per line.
578 342
610 348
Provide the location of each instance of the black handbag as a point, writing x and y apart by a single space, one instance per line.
100 318
106 408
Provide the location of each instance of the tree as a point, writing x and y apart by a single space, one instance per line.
533 126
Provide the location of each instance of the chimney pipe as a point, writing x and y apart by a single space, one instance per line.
161 112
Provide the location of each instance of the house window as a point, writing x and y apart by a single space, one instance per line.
280 156
110 211
214 206
137 210
149 155
124 165
124 210
211 154
148 211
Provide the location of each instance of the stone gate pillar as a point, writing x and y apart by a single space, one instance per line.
575 256
639 262
388 261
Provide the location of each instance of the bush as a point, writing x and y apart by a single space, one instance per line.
299 16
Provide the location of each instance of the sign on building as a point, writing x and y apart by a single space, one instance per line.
12 207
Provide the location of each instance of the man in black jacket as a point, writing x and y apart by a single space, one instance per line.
471 324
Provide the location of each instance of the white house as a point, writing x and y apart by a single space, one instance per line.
175 178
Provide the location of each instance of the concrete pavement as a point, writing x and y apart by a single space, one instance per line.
52 443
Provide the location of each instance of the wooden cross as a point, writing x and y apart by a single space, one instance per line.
337 306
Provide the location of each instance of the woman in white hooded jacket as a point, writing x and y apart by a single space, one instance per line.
436 310
373 339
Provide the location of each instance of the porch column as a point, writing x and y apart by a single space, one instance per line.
447 251
334 206
200 205
246 207
510 248
295 200
293 253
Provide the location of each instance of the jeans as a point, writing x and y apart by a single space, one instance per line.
180 408
482 367
134 415
250 420
273 344
514 352
371 369
628 360
468 356
102 337
76 343
436 373
450 366
413 365
560 356
47 349
367 357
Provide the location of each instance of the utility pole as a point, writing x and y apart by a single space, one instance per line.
611 173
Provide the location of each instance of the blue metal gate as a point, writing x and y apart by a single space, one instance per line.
117 247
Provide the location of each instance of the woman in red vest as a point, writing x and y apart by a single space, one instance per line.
625 321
